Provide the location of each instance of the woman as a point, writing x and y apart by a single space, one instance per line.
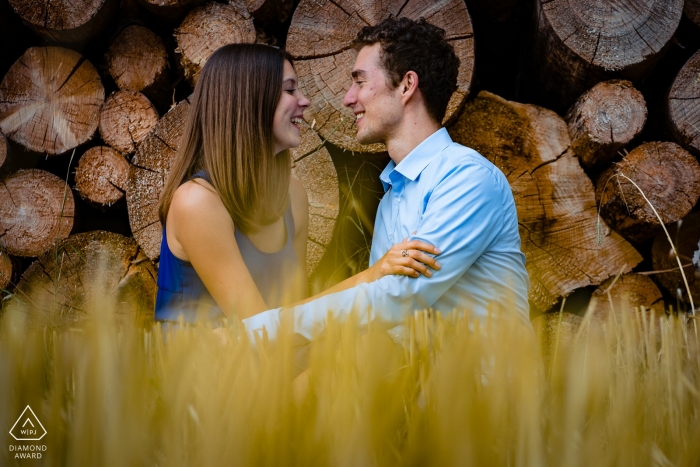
235 221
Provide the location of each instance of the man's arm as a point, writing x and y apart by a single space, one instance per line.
464 215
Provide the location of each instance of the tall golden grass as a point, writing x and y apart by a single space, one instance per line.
455 391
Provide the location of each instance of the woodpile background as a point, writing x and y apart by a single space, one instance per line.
591 109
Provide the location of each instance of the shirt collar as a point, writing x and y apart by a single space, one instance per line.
418 159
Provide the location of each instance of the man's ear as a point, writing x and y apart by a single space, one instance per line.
409 84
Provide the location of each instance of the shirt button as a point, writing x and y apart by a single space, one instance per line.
399 200
391 237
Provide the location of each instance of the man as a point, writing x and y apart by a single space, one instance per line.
437 191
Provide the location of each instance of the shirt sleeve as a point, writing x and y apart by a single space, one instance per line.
463 216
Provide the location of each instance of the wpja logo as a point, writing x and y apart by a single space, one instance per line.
28 428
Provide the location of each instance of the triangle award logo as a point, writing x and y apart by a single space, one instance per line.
28 427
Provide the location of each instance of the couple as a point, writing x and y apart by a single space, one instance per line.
235 221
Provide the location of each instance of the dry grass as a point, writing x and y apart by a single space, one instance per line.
456 392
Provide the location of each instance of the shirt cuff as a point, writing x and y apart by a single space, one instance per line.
268 320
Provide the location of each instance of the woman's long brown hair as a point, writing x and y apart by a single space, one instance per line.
229 134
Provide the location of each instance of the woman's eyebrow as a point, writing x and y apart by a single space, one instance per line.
290 80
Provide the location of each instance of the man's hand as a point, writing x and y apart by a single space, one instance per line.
407 258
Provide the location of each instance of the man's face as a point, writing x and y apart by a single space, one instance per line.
376 105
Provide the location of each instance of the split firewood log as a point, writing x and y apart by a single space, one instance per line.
691 10
50 100
683 108
66 21
627 293
556 333
5 270
554 197
270 10
578 44
170 11
36 209
668 176
101 176
604 120
126 119
154 156
88 272
138 61
319 39
207 28
685 235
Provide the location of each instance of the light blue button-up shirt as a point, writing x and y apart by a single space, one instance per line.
450 196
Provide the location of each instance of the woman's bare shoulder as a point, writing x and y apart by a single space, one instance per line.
300 204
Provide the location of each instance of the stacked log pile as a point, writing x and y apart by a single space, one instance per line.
599 160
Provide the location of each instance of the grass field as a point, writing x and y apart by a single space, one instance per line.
456 392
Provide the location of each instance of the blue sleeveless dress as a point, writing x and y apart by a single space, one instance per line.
181 293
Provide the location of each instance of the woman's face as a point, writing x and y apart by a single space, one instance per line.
286 126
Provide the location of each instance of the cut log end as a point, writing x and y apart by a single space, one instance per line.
101 176
89 271
668 176
126 119
627 294
604 120
3 150
137 59
5 270
36 209
170 11
684 106
207 28
50 100
691 10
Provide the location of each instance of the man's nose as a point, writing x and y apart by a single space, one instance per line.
349 98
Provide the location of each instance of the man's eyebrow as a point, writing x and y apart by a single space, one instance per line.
357 73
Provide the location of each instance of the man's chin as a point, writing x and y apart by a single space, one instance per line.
365 138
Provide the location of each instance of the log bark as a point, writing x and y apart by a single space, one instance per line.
101 176
683 108
604 120
578 44
319 39
207 28
65 21
126 119
36 209
685 235
154 156
554 197
170 11
669 177
50 100
3 149
93 271
5 270
138 61
628 293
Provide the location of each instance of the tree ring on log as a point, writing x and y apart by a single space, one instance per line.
137 59
36 209
66 21
669 177
207 28
628 292
605 119
684 105
154 157
50 100
93 271
553 196
319 40
582 42
126 119
101 176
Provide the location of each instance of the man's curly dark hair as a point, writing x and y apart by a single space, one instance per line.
408 45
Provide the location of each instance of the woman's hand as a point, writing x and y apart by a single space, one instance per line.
407 258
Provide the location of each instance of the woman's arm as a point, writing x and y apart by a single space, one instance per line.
300 211
200 230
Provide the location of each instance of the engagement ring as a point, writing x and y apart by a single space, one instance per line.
404 253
